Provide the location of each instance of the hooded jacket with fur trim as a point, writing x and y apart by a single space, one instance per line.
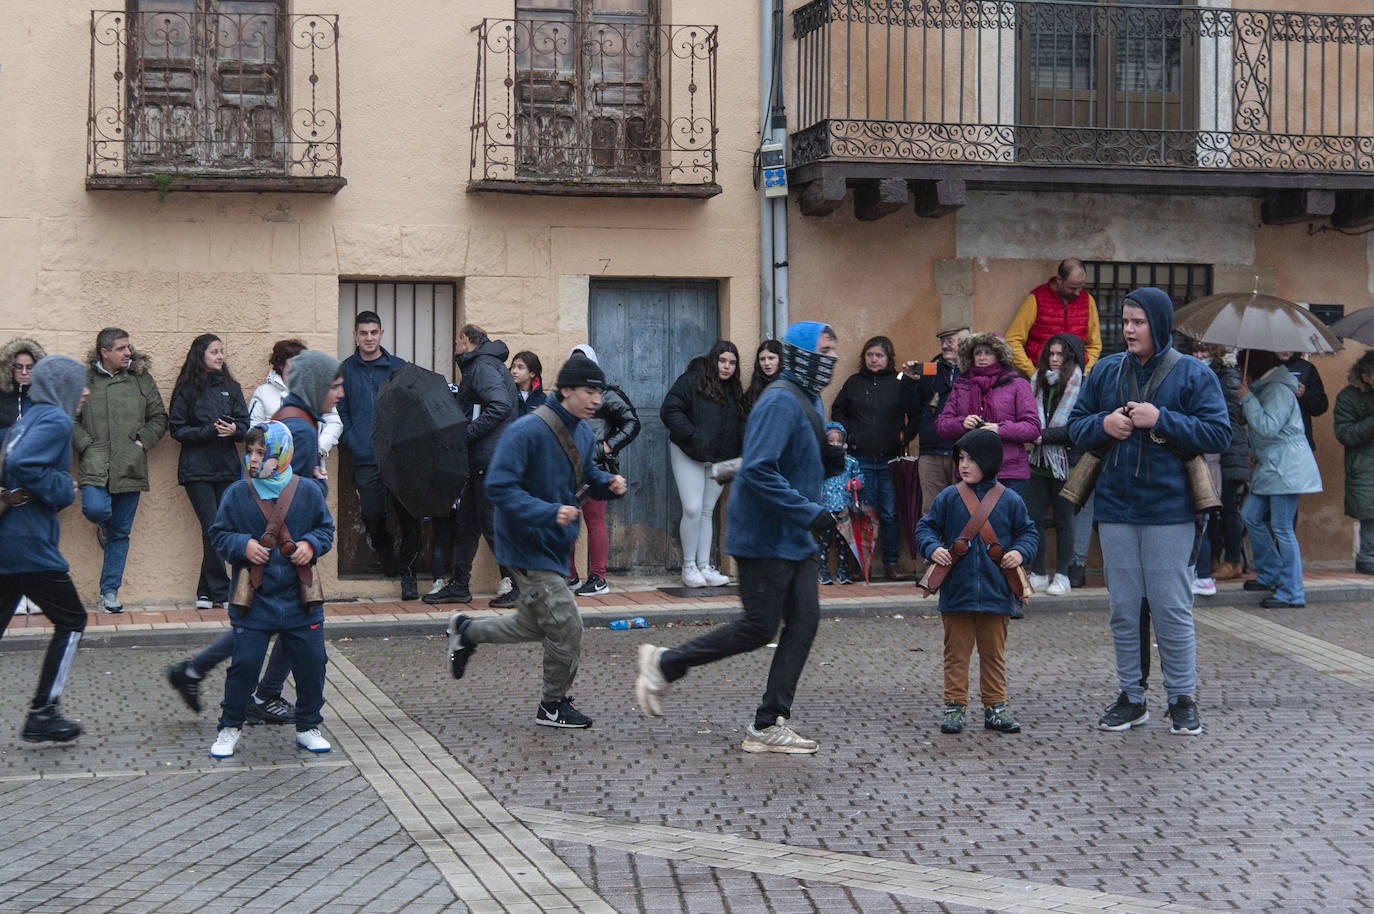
124 410
998 394
14 398
1353 417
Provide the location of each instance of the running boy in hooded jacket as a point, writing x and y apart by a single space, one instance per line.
975 600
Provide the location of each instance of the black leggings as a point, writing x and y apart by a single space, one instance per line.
55 594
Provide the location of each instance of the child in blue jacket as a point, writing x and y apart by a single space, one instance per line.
975 598
837 494
239 535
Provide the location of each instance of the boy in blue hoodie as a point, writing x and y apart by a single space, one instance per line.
837 494
38 482
976 599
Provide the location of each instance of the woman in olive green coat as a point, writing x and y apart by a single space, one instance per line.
1354 420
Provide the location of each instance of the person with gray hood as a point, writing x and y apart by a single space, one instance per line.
1145 411
35 474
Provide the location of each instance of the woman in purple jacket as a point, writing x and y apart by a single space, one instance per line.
990 393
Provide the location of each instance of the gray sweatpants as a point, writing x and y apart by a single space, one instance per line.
546 611
1151 562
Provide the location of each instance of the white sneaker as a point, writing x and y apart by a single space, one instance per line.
778 738
225 742
311 739
1205 587
204 603
22 608
651 685
692 577
1058 586
439 584
713 577
1039 582
505 587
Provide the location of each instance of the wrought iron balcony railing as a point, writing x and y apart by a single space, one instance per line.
217 99
1146 83
594 107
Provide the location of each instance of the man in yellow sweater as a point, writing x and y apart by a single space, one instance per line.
1059 305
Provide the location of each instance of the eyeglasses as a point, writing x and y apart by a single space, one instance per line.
22 368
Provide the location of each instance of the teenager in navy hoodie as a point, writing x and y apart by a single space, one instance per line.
38 458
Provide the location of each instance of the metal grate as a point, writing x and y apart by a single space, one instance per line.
419 320
1110 281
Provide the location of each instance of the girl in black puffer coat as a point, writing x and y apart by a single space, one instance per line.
705 423
208 415
15 375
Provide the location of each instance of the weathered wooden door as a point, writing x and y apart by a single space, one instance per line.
645 333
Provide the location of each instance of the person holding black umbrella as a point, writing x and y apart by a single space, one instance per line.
1353 418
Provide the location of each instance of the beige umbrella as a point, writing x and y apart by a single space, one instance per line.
1249 320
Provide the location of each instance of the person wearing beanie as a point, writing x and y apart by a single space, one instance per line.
976 599
775 505
37 483
207 416
615 424
1058 378
268 396
1145 410
535 487
839 493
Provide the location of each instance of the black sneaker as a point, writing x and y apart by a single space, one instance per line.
409 589
1183 712
459 647
186 686
1124 715
450 593
594 586
953 721
47 725
272 711
1276 603
1078 576
573 581
561 714
507 600
1254 584
998 717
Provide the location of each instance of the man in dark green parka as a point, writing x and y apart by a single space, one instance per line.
1354 421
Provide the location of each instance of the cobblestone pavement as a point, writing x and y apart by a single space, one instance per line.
444 796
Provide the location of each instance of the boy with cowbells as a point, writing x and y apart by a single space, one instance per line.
272 527
976 598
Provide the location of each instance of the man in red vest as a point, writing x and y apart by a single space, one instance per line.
1061 305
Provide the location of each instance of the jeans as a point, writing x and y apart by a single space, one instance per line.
1151 562
698 493
878 492
55 594
475 518
1016 485
774 592
305 647
545 611
117 513
205 498
1364 558
1281 567
1042 492
222 648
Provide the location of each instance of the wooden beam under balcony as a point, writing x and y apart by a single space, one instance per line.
1354 209
1289 206
876 199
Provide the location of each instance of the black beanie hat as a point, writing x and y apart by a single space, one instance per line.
984 448
580 371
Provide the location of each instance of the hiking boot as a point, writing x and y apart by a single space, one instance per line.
595 586
47 725
953 721
459 648
1183 713
505 601
998 717
186 685
312 740
1124 715
410 589
778 738
452 592
1078 576
272 711
651 685
224 743
561 713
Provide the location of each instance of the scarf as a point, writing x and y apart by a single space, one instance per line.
981 382
811 371
1055 457
275 471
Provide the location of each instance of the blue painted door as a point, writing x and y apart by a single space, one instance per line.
645 333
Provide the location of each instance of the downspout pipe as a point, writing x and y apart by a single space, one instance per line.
767 328
777 126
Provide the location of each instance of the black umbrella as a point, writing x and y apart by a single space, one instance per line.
420 438
1357 326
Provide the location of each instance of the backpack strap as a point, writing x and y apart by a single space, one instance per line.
977 525
275 515
565 440
808 407
295 412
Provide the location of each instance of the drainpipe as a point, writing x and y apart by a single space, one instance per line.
778 126
766 326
